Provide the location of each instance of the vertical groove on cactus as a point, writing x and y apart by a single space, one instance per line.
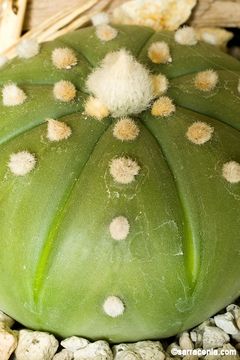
45 256
191 257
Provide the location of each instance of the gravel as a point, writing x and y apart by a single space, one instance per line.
217 338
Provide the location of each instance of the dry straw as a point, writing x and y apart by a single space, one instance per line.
64 21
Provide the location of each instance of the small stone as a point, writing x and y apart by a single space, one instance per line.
173 348
8 342
74 343
5 319
226 323
235 310
185 342
214 337
64 355
98 350
35 345
142 350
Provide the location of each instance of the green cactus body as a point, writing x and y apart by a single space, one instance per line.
176 259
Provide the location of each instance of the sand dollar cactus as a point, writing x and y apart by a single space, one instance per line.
120 183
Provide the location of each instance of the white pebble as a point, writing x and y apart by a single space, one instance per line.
74 343
98 350
35 345
142 350
8 343
64 355
214 337
226 323
185 342
235 310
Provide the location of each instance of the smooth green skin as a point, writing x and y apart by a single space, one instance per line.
181 260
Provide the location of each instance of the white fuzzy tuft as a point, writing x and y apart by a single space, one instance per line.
124 170
206 80
159 53
64 58
231 172
119 228
28 48
163 107
113 306
101 18
13 95
125 130
186 36
106 32
160 84
3 60
21 163
57 130
96 108
199 133
64 91
122 84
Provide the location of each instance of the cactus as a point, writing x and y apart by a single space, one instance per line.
120 183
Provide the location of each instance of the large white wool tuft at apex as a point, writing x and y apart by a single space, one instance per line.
21 163
122 84
28 48
12 95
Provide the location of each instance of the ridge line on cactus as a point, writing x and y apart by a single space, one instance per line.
209 116
46 253
64 42
26 130
191 260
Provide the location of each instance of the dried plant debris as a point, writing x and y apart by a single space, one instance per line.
158 14
214 36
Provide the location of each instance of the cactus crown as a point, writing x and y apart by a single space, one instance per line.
116 144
